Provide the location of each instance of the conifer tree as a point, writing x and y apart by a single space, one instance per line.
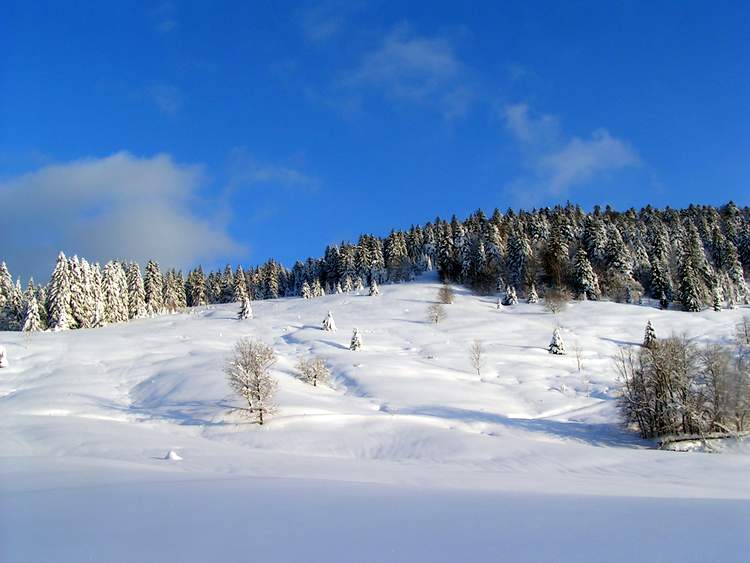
196 288
511 298
348 287
328 323
585 280
31 322
533 296
717 298
306 291
356 343
690 288
115 294
649 338
246 308
154 288
136 292
557 346
317 289
59 296
97 296
227 285
240 286
171 293
374 290
80 295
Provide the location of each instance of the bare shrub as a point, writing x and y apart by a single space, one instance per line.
248 372
742 332
556 300
436 313
476 356
446 295
313 371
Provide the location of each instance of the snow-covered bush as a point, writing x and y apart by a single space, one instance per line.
557 346
313 371
356 343
3 357
445 294
328 323
248 372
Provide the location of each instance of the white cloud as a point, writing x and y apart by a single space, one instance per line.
120 206
167 98
405 66
246 170
556 164
324 20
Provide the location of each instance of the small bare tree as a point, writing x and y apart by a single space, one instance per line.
313 371
435 313
743 332
579 355
556 300
248 372
446 295
476 356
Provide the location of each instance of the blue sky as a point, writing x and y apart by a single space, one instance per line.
195 132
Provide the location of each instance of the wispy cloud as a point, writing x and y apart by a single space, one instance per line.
323 20
247 170
167 98
119 206
164 17
554 163
406 66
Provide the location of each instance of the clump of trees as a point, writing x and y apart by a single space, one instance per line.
248 371
673 387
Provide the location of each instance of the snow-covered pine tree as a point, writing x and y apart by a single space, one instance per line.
374 290
31 322
511 298
196 288
179 281
227 285
690 285
328 323
136 292
97 295
356 343
717 298
557 346
585 279
649 337
246 308
317 289
338 290
348 286
81 307
532 296
359 285
518 257
240 286
154 288
306 292
171 295
58 305
115 293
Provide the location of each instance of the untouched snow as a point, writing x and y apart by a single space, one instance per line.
408 456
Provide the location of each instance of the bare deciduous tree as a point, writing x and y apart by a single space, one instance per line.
435 313
248 372
476 356
314 371
445 294
743 332
556 300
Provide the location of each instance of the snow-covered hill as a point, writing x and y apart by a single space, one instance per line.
410 455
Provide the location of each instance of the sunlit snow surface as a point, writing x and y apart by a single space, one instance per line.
410 456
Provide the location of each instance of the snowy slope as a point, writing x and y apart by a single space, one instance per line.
526 461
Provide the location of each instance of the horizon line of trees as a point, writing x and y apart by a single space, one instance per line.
696 257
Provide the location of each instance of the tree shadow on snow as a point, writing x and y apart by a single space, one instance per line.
619 342
611 435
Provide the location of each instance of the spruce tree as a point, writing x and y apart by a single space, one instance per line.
356 343
154 288
136 292
690 287
31 322
532 296
374 290
649 337
328 323
58 306
511 298
556 346
246 308
585 280
306 292
115 294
